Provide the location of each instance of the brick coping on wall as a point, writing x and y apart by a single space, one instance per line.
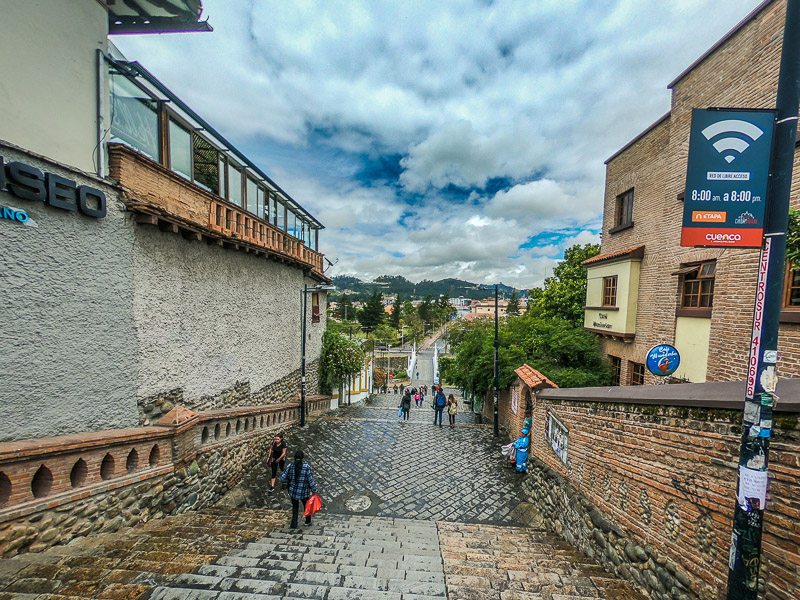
724 395
163 450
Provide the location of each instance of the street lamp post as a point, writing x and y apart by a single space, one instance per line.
496 347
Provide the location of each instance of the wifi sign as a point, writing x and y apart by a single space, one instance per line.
730 146
727 176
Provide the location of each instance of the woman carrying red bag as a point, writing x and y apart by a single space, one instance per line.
301 485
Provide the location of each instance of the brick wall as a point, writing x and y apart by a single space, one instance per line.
649 491
742 72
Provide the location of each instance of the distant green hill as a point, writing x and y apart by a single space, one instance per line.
397 284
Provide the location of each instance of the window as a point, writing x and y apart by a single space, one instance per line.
234 185
223 177
792 289
205 162
280 222
260 203
134 117
180 149
697 287
315 307
616 369
610 291
252 196
636 374
624 214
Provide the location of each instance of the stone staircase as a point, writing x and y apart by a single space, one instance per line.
489 562
338 558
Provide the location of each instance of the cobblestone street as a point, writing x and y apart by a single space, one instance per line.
411 512
368 461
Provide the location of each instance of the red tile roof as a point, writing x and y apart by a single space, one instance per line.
635 252
532 378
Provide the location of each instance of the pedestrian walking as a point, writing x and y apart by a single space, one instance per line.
301 485
405 405
438 406
452 409
416 398
276 458
421 398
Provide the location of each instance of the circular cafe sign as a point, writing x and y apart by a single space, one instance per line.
663 360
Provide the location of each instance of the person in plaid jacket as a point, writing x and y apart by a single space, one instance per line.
301 485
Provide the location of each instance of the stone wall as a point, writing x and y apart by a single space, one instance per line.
151 409
649 490
54 490
742 72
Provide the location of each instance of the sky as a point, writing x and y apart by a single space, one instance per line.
455 138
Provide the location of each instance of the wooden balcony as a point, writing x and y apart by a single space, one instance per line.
163 198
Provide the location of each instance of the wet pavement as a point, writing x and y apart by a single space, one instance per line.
368 461
411 512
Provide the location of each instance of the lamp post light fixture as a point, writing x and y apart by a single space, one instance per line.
306 290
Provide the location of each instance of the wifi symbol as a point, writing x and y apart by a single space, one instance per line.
730 147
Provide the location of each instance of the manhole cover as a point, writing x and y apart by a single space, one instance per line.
358 503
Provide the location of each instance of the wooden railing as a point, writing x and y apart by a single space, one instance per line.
166 196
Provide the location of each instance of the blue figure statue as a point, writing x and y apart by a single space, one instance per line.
522 445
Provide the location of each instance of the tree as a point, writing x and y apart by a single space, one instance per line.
564 294
512 308
567 354
341 357
372 314
344 309
397 309
425 310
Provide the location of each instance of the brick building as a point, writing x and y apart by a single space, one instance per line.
154 283
644 288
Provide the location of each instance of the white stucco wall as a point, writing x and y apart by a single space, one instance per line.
207 317
67 339
47 60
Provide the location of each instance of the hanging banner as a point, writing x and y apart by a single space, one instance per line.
726 178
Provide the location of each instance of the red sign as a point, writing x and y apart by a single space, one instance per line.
710 236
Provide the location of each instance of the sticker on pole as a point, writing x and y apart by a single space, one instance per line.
752 489
726 178
663 360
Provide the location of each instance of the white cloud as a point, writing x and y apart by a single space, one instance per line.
536 93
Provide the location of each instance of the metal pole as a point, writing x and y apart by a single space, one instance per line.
303 361
748 517
496 347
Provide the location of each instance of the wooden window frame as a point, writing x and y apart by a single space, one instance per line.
610 290
616 365
696 289
623 214
636 373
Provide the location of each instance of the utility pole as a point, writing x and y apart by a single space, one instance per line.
748 517
496 347
303 361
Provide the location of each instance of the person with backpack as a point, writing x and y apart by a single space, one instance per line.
405 405
421 397
301 485
452 409
439 402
